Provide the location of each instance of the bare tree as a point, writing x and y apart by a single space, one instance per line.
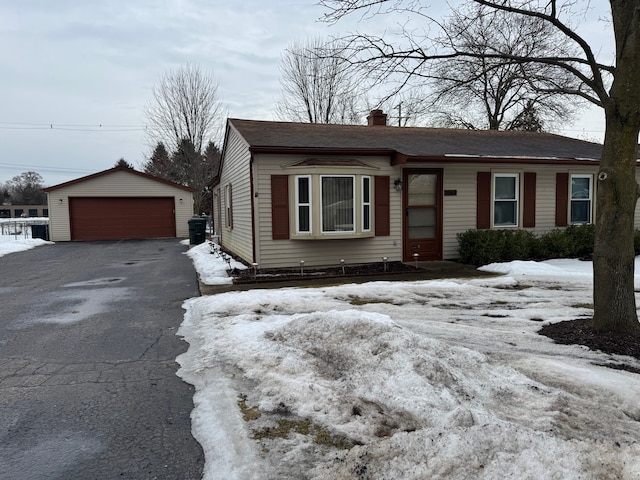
615 88
484 92
318 86
185 104
26 189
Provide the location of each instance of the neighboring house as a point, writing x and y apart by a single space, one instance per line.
320 193
21 211
119 203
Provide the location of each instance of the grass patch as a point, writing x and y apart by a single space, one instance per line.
248 413
356 300
583 305
284 427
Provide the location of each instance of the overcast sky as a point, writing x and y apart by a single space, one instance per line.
76 74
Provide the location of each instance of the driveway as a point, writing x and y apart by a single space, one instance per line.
87 373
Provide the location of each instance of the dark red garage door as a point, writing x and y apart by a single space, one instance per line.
115 218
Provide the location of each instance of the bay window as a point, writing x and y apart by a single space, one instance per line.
332 206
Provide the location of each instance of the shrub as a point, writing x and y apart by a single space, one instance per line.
480 247
581 239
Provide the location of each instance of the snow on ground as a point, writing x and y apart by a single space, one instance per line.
18 238
408 380
212 267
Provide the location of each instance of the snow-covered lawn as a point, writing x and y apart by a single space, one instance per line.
408 380
16 235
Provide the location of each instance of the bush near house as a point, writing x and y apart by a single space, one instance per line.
480 247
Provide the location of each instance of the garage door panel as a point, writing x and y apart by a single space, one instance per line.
114 218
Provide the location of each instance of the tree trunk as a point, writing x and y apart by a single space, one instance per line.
614 302
613 259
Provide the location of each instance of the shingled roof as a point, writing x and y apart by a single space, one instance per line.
265 136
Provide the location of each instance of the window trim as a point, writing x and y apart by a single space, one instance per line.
227 207
315 206
354 199
308 204
516 199
365 217
571 199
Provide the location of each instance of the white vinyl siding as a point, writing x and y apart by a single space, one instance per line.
318 251
236 234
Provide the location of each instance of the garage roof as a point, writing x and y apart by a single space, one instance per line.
118 169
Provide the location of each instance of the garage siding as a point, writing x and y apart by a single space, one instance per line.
103 218
119 183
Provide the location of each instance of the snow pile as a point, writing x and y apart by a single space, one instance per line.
11 244
428 380
211 269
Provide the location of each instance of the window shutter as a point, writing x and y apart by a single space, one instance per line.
280 207
529 198
382 206
562 199
483 200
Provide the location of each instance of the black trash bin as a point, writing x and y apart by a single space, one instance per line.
197 230
40 231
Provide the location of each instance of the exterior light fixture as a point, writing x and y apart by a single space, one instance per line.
397 184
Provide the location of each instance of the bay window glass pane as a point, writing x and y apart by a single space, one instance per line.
337 204
303 190
366 204
366 217
303 218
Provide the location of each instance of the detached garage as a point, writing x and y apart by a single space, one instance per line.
117 204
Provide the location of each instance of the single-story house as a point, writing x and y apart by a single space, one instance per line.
291 192
20 211
119 203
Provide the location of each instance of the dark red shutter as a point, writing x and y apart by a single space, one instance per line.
483 200
280 207
562 199
382 205
529 197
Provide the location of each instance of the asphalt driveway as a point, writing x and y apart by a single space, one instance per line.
87 373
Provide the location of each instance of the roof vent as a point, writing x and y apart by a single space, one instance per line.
377 117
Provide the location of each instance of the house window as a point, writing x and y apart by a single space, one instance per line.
337 200
227 206
332 206
366 204
581 198
303 204
33 212
505 200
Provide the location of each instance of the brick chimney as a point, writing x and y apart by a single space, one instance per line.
377 117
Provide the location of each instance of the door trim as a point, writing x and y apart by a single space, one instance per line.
407 256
